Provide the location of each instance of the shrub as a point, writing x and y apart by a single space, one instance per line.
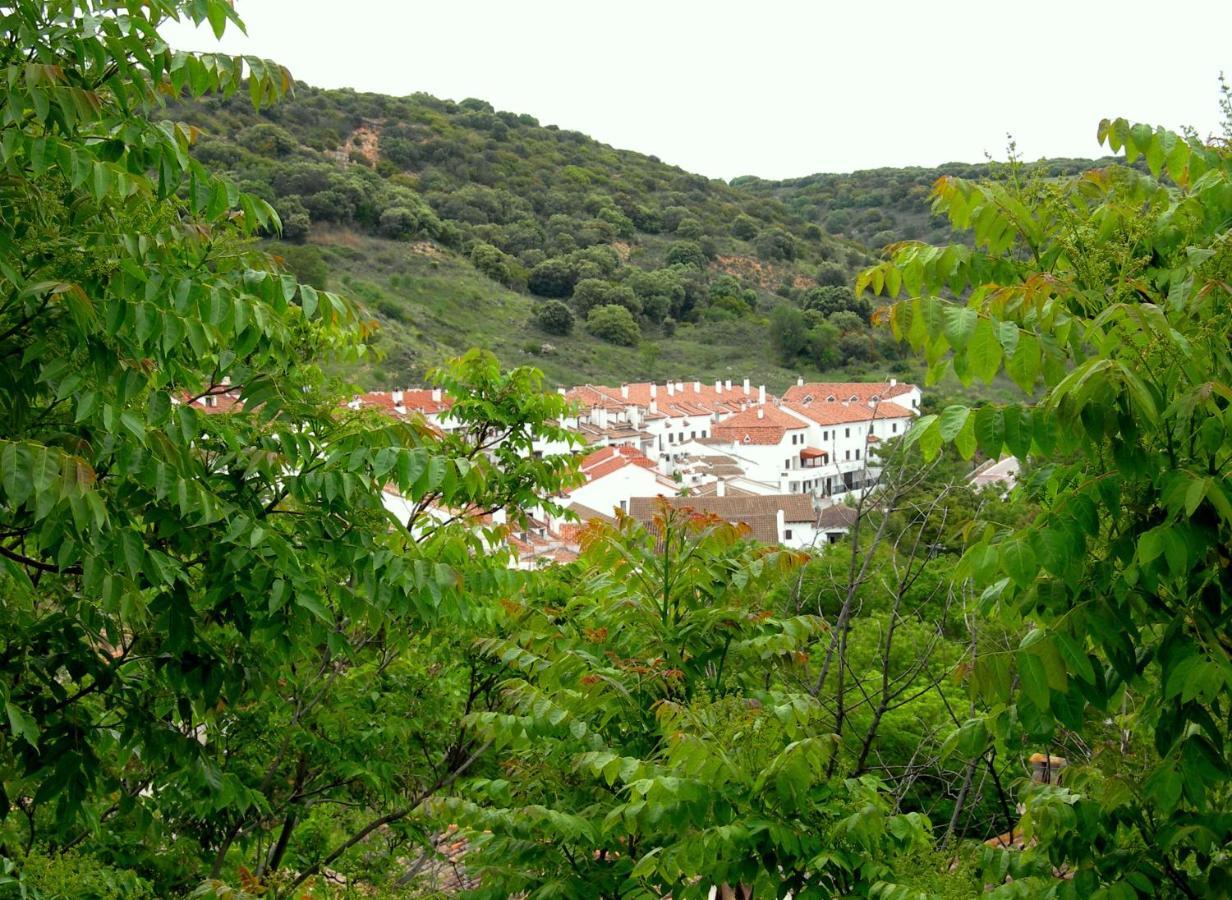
614 324
686 253
593 292
552 278
554 317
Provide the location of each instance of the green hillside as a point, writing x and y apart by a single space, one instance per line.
875 207
457 225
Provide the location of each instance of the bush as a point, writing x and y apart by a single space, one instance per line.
686 253
398 223
787 332
554 317
296 223
552 278
593 292
744 227
831 274
614 324
775 243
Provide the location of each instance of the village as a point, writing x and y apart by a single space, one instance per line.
785 467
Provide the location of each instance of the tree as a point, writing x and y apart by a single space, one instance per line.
590 293
197 561
655 736
554 317
775 243
744 227
614 324
831 274
686 253
553 277
787 332
1106 297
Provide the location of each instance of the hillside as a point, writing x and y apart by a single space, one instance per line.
458 225
875 207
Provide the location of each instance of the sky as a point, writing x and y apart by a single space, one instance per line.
775 88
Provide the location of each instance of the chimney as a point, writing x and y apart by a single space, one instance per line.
561 391
718 387
720 488
624 392
893 382
671 388
761 394
746 385
654 406
780 521
697 387
727 384
654 390
680 387
761 412
436 394
396 397
800 381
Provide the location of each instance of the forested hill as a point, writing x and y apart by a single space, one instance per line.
459 225
875 207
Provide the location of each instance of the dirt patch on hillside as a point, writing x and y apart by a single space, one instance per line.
623 249
748 268
426 248
364 142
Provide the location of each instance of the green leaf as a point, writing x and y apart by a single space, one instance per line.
984 352
1034 679
1018 560
960 322
952 420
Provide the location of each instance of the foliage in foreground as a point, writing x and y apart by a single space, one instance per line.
1108 297
207 614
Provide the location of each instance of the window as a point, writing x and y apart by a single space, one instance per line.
894 428
692 435
857 454
787 534
846 432
624 505
848 454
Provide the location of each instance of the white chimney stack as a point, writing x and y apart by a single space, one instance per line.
761 412
720 489
436 394
718 387
800 381
680 387
561 391
697 387
893 382
746 385
624 391
671 388
396 396
727 384
761 394
654 390
654 406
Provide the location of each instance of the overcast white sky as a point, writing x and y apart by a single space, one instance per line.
777 88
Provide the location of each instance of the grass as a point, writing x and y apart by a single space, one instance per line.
431 305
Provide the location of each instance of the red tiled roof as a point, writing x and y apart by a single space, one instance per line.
693 399
861 391
765 424
412 400
849 413
606 460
